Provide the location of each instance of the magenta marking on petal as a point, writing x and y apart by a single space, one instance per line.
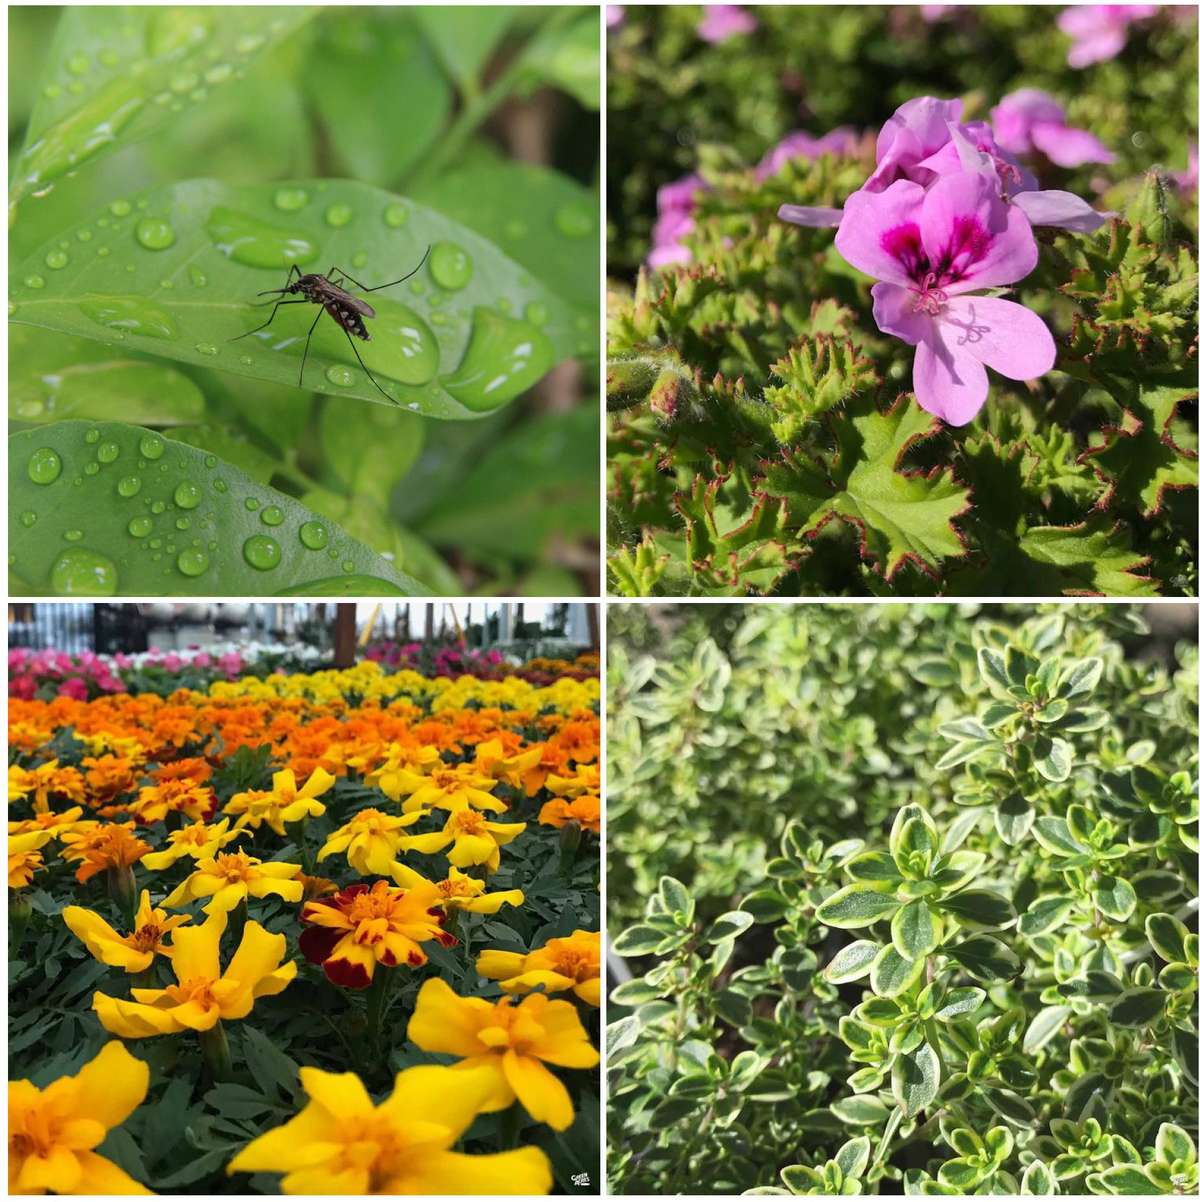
969 243
903 243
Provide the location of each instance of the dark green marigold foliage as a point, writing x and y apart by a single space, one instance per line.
907 899
763 436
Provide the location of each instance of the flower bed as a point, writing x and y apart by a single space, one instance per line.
326 933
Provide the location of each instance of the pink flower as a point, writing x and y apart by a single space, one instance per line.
1098 31
1028 119
203 660
801 145
614 14
676 203
75 688
172 662
932 13
1186 180
723 21
930 249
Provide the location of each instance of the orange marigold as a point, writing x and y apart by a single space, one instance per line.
108 845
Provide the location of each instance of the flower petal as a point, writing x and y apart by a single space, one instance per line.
950 384
343 1095
444 1022
521 1171
894 314
1070 147
1008 337
542 1094
810 216
461 1094
1062 209
880 232
112 1086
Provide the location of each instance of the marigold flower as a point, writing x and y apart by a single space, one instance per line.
476 839
361 927
204 995
585 779
45 781
193 768
200 841
570 963
513 769
24 858
419 757
343 1143
369 840
109 776
54 824
52 1132
455 788
514 1040
584 810
282 802
316 886
459 891
231 877
154 802
101 847
133 953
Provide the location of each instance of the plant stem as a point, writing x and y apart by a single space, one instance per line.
216 1053
476 109
377 1005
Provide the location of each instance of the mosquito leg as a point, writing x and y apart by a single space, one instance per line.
366 368
364 288
307 341
286 283
269 319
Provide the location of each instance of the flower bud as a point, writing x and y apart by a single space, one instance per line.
1149 209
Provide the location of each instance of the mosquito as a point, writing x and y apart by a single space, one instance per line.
344 307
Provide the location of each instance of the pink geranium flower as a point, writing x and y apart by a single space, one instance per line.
676 203
931 250
723 21
1099 31
1028 119
614 14
801 145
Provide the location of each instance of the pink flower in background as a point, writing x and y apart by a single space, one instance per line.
801 145
75 688
172 662
932 13
1028 119
676 203
723 21
1186 180
614 14
1099 31
203 660
930 249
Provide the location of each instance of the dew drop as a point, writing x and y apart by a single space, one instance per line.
262 552
109 58
84 235
151 446
78 572
210 461
192 561
158 507
52 91
57 259
183 523
34 281
220 485
92 436
359 260
536 313
337 374
198 278
574 220
187 495
140 526
206 348
155 233
155 543
272 515
245 360
120 208
131 314
251 504
73 536
129 486
290 199
28 518
107 452
338 215
450 266
45 466
218 74
504 357
395 216
78 64
314 536
246 239
91 469
347 565
103 251
248 43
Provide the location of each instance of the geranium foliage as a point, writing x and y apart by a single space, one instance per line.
923 917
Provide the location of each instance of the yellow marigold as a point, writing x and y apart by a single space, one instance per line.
24 858
343 1143
570 963
204 994
492 760
455 788
229 878
54 824
459 891
200 841
369 840
133 953
103 846
584 810
154 802
476 840
418 757
52 1132
514 1040
282 802
585 779
45 781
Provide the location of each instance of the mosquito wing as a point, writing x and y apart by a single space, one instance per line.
333 295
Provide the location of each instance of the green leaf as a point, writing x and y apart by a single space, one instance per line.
861 1110
766 905
1114 897
1044 1026
1137 1007
90 539
534 489
1082 679
853 1156
1014 819
464 38
916 930
729 926
852 962
959 1002
635 993
677 899
856 906
991 668
133 54
986 959
979 907
960 1174
1037 1179
542 219
900 518
368 447
446 349
1173 1144
1129 1179
1168 936
1092 557
915 1079
53 377
1053 759
268 1065
569 58
1055 836
873 866
379 53
1046 914
800 1179
892 974
637 941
